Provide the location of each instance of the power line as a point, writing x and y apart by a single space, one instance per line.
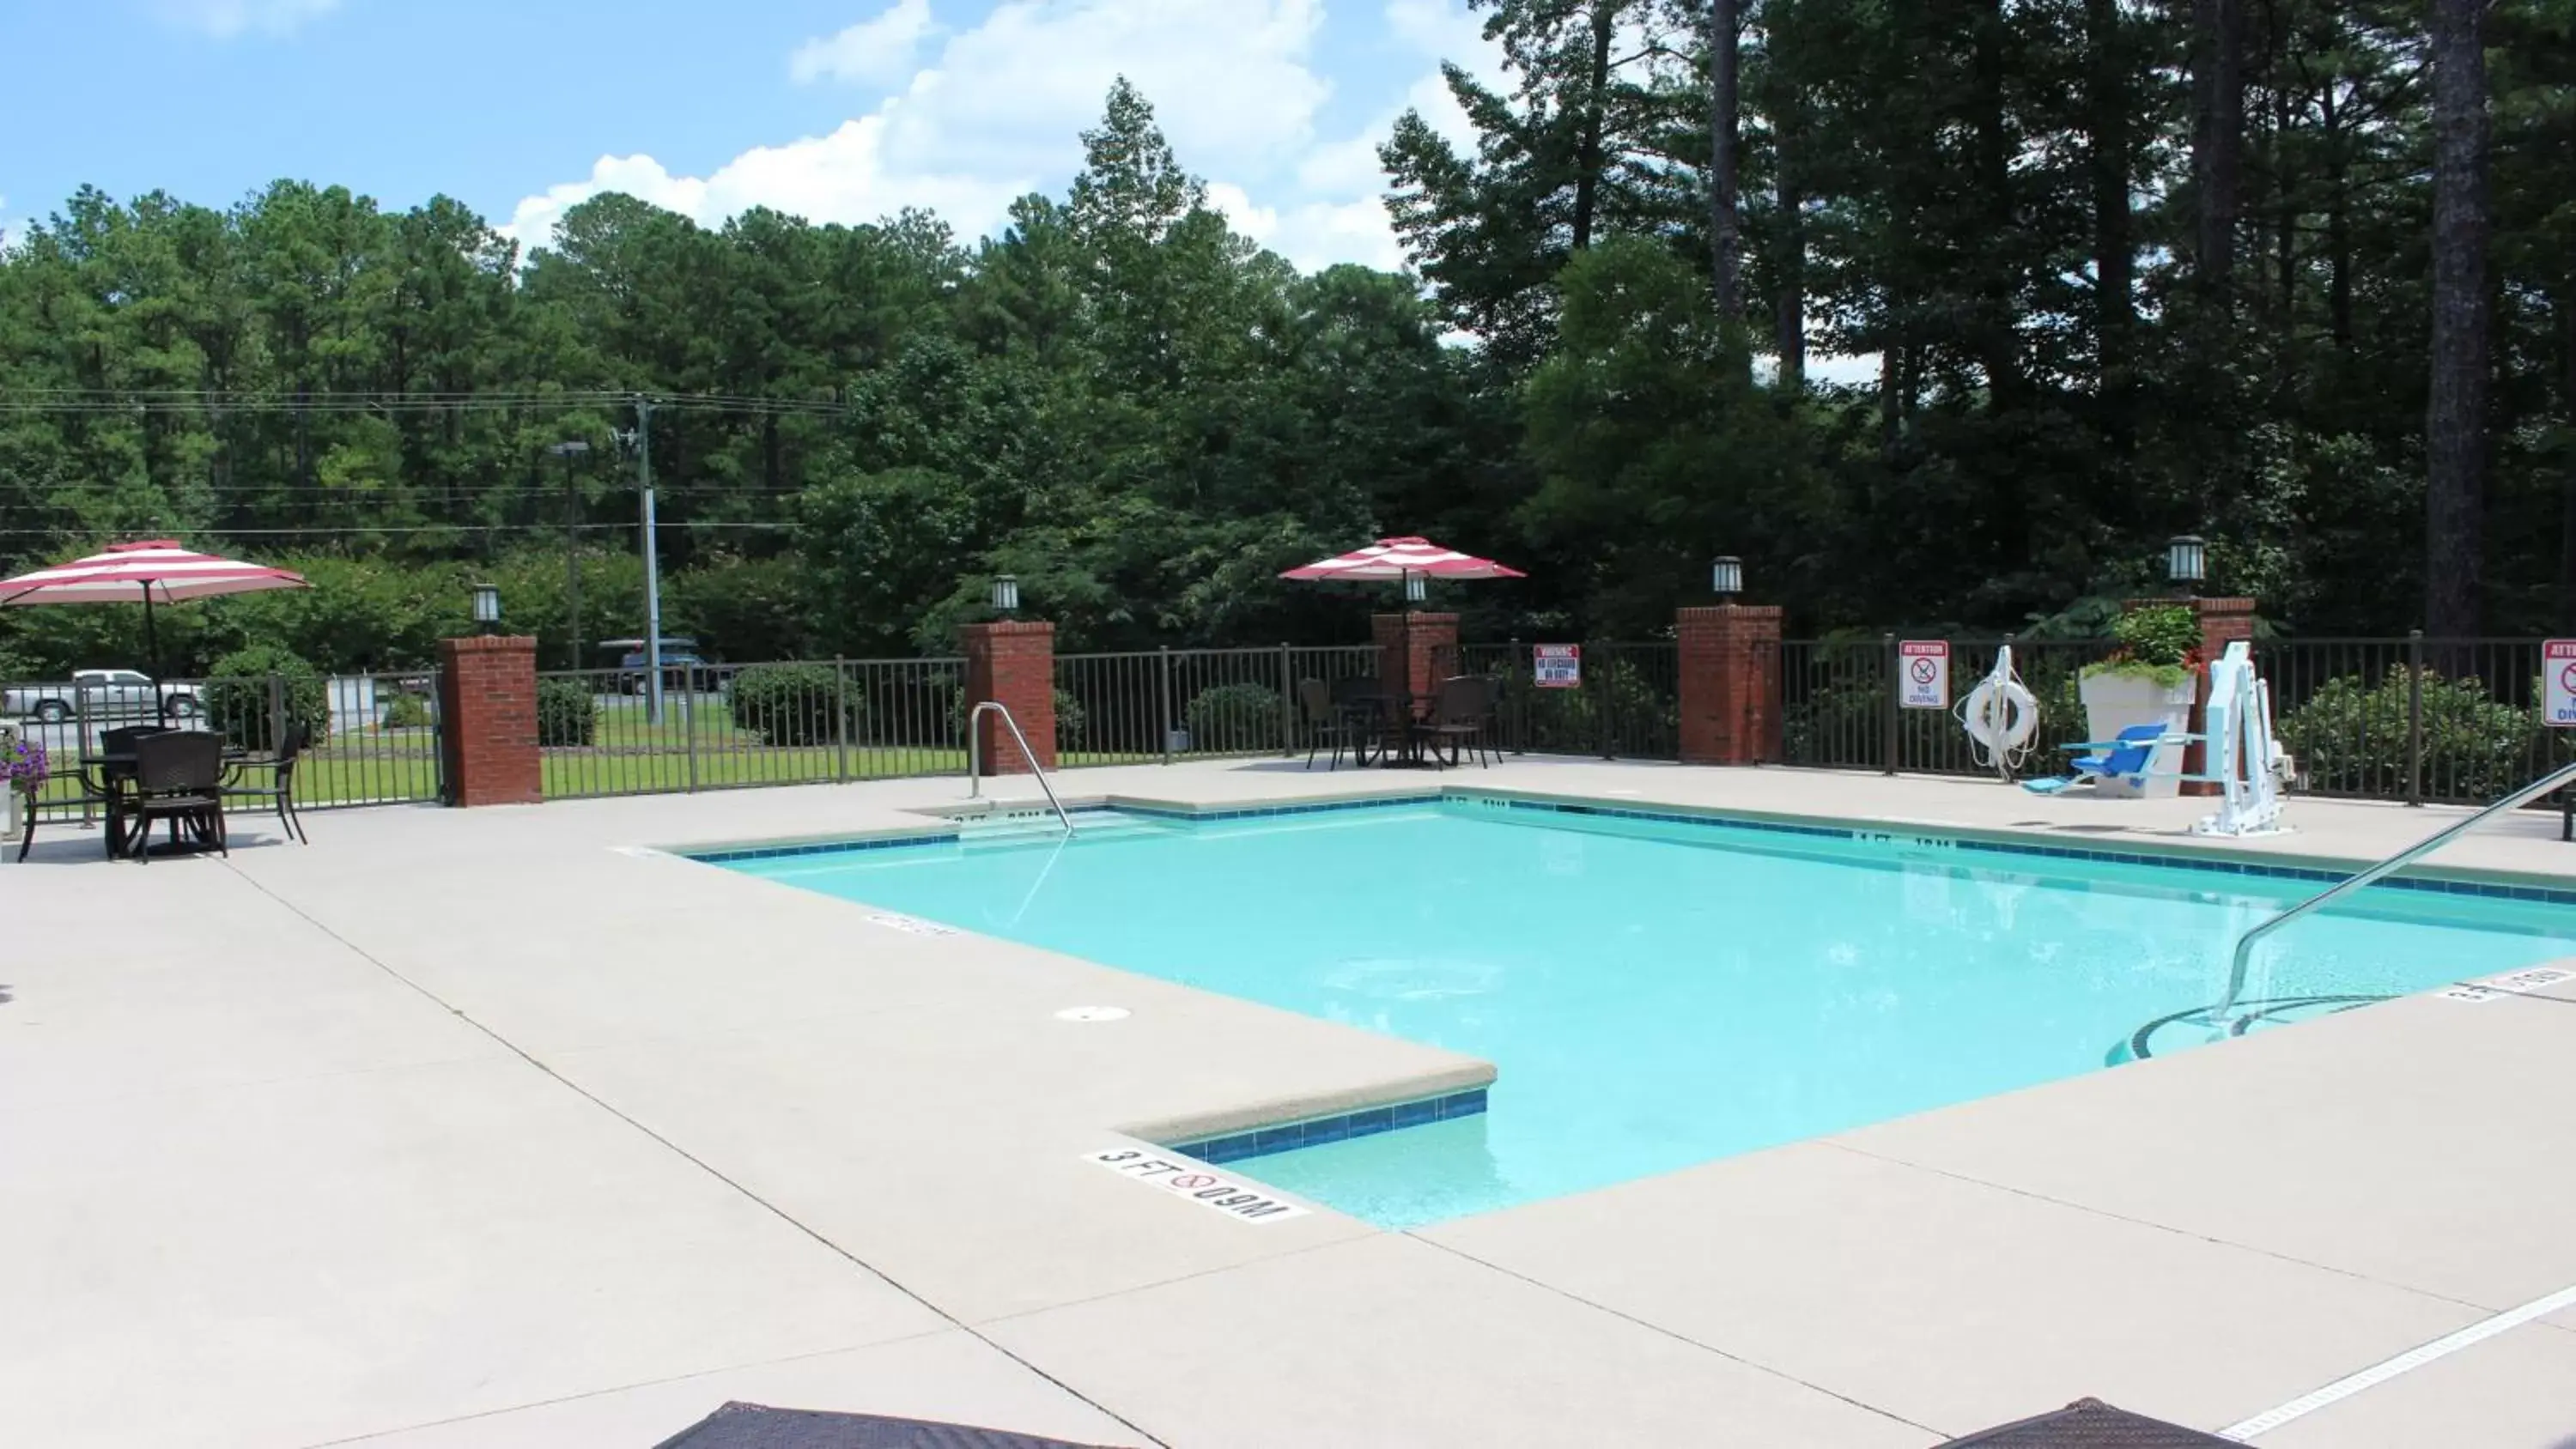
128 402
335 531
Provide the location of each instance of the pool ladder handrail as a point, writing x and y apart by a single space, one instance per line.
2563 775
975 764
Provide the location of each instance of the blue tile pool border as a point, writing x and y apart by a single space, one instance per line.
2195 861
727 854
1316 1131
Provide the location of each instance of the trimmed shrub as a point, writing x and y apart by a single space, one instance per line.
2350 738
406 711
237 697
793 704
1228 717
567 714
1072 723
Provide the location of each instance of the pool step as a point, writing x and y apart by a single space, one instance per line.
1023 828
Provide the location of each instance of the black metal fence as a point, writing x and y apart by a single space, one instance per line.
718 727
372 739
2413 719
1840 709
2407 719
1164 705
1625 705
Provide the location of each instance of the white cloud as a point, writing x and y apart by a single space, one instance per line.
997 110
878 49
224 19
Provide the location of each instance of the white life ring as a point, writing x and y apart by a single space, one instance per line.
2000 715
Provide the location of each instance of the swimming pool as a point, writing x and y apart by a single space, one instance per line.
1656 992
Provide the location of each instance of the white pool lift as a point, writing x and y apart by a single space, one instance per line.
2244 760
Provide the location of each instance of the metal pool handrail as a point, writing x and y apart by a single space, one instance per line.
974 757
2424 847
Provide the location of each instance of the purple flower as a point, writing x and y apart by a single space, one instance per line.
23 763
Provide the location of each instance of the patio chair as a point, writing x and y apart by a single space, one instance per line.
1462 712
1326 721
280 791
179 777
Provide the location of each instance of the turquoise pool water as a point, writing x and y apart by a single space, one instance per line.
1659 994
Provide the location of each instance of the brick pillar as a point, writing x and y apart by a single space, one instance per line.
1730 684
487 720
1012 661
2222 622
1415 651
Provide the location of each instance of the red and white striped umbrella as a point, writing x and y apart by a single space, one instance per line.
154 571
158 571
1395 558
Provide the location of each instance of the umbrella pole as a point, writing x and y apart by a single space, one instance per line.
152 658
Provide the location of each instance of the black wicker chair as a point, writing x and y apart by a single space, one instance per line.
280 790
179 777
1462 714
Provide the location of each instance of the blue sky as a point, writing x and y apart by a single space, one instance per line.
838 110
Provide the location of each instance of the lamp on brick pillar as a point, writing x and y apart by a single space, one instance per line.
2221 620
1011 662
1730 674
487 719
2186 562
1006 595
487 609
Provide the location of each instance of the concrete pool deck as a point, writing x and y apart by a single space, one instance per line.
481 1128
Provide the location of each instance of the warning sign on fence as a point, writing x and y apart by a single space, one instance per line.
1556 666
2558 681
1923 674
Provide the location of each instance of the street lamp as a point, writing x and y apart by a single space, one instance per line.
569 449
1006 594
487 608
2186 559
1726 577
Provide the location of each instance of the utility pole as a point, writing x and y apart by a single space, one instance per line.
568 450
652 562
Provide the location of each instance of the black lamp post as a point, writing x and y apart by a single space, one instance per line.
1006 595
1726 577
2186 561
487 608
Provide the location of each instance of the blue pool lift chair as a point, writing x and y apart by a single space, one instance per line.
2124 758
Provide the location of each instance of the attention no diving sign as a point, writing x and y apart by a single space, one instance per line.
1200 1185
1923 674
2558 680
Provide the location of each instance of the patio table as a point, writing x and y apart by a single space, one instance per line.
1392 714
110 774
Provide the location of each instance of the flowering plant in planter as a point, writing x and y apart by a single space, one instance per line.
2160 643
2149 680
23 765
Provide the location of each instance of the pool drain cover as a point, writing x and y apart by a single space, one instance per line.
1092 1013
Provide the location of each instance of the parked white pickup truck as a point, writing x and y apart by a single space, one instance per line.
103 694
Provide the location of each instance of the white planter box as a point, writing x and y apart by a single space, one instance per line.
2114 702
9 807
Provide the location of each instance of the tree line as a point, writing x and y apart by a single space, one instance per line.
1939 314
